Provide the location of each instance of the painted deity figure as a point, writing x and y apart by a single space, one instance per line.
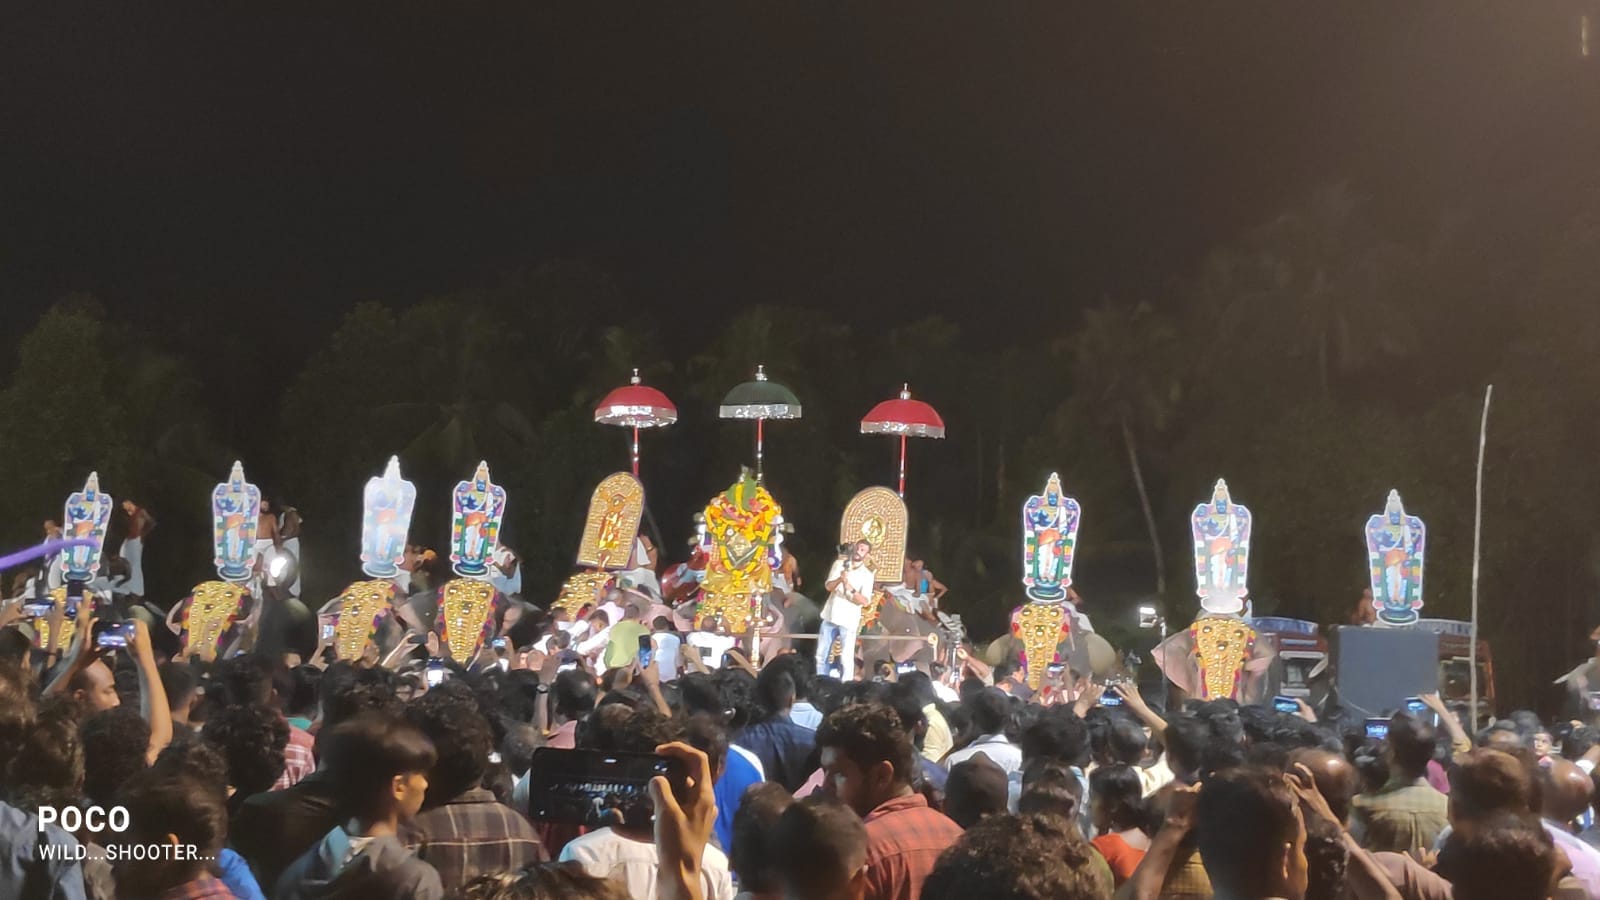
1220 655
235 517
86 515
742 531
1049 536
479 505
1395 546
385 520
1221 552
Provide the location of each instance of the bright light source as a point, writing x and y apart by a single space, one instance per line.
277 566
1147 612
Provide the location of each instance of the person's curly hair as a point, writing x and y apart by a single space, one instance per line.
1028 857
195 759
628 730
115 744
461 736
870 733
549 881
357 699
251 739
50 764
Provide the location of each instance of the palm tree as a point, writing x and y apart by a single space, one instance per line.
1122 362
1319 283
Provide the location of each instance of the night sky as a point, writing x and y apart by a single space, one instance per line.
199 167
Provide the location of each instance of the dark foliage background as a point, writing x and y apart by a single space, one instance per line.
1130 243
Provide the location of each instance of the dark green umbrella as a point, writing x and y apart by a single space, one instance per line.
760 400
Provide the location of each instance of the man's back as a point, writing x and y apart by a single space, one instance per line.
904 840
1001 752
273 828
738 774
604 853
622 647
784 748
340 867
1402 817
24 869
473 835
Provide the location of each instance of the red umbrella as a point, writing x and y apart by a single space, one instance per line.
636 406
907 418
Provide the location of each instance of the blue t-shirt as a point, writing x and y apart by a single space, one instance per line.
737 776
25 870
234 872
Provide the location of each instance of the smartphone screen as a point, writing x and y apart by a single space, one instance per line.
498 643
37 610
1111 698
113 635
74 597
905 667
1285 705
1378 729
436 672
590 787
327 631
646 651
1594 700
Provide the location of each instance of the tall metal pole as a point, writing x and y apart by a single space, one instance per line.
636 451
759 423
1477 544
902 465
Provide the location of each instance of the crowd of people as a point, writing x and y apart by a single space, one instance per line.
264 775
341 780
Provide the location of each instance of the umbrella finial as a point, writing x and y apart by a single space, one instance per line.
635 378
761 372
905 391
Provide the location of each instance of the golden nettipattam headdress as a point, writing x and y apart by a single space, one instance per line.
362 607
878 516
209 614
466 614
615 508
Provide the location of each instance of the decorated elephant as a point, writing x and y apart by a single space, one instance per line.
888 618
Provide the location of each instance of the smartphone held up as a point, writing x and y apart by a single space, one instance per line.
595 788
113 635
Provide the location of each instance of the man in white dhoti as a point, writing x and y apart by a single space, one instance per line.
849 588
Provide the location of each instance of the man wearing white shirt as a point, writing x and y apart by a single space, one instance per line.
595 643
666 644
991 710
849 587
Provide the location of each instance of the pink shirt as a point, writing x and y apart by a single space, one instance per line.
564 738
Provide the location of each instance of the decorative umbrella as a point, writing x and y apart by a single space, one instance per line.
760 400
907 418
636 406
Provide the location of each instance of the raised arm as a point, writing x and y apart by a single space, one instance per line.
152 694
683 830
1151 874
1364 878
1134 701
1460 743
80 655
